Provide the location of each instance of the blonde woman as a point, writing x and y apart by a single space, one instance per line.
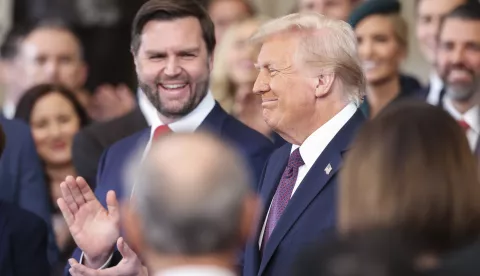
382 36
234 74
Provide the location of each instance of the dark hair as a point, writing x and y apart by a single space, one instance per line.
9 47
31 97
397 160
53 24
469 11
167 10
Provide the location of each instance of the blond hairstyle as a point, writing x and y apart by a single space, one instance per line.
223 89
334 51
411 169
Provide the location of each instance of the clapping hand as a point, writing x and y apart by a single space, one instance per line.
94 229
130 265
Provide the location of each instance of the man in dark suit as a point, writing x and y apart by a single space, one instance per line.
311 83
174 75
22 180
458 63
23 236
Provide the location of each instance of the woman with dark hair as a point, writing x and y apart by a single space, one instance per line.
55 116
411 169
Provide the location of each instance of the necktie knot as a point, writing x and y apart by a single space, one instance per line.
465 126
295 161
161 130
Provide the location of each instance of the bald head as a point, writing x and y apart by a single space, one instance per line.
189 193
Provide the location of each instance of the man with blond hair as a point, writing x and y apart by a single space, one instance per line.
310 82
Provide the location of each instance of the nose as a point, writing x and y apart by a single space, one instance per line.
172 68
457 56
52 71
55 130
261 84
365 49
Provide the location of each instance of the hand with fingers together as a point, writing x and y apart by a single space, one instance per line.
94 229
130 265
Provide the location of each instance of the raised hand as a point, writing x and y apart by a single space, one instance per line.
93 228
130 265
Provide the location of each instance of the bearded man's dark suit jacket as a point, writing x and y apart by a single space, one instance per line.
310 215
255 147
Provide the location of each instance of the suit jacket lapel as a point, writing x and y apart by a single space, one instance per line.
273 173
324 168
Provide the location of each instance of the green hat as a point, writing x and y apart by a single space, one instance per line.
373 7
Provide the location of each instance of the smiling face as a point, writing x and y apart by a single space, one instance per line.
286 90
174 72
54 124
379 50
459 58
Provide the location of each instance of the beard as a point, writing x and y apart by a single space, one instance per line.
187 105
462 92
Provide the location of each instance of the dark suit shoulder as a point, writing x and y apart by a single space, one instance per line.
27 235
107 133
244 135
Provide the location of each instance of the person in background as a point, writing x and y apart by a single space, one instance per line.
410 170
12 88
382 36
50 52
169 207
458 63
23 238
429 14
234 74
336 9
55 116
227 12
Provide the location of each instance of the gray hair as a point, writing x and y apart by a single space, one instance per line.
190 192
335 50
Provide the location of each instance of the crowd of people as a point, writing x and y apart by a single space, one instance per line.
200 137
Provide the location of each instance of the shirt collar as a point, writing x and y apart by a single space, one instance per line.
314 145
198 270
192 120
471 117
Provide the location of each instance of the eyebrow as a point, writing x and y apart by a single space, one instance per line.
181 51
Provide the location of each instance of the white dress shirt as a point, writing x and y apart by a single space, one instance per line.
436 86
189 123
196 270
471 117
9 109
314 145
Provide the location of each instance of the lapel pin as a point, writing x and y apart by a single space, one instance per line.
328 169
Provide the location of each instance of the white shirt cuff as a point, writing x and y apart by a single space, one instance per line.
103 266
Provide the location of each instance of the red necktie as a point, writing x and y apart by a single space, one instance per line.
465 126
161 130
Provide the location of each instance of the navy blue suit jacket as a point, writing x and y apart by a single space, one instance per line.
254 146
310 215
22 180
23 242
